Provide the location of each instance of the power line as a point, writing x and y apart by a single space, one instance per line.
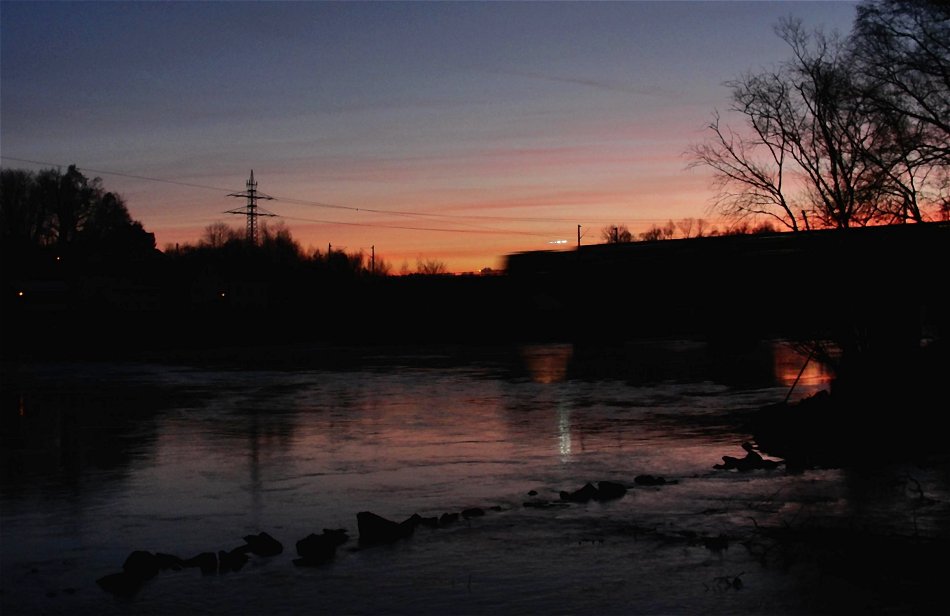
551 219
124 175
321 204
408 228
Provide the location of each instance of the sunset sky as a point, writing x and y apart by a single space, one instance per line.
460 132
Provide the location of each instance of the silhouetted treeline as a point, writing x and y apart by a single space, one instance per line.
683 228
81 278
67 211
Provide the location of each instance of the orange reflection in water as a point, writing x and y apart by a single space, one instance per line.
789 363
547 363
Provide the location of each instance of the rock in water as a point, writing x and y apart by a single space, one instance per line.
317 549
376 529
206 561
588 492
231 561
263 544
141 564
609 490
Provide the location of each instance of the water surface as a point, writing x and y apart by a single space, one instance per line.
103 459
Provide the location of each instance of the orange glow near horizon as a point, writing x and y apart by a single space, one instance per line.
467 203
466 227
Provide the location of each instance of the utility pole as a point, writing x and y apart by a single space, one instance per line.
372 259
251 210
578 236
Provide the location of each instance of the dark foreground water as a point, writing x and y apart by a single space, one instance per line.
184 458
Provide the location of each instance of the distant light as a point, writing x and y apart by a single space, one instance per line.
57 258
557 242
19 293
223 293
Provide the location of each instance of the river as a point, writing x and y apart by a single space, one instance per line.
189 456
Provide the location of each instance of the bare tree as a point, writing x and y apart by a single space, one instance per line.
835 131
616 234
430 267
809 128
685 227
746 227
381 267
216 235
668 230
749 171
279 243
701 227
901 51
903 47
652 234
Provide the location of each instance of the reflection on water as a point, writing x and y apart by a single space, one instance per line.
99 460
564 430
795 368
547 363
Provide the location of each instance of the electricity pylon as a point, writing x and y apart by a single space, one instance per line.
251 210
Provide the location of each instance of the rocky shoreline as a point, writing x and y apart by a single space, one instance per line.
318 549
